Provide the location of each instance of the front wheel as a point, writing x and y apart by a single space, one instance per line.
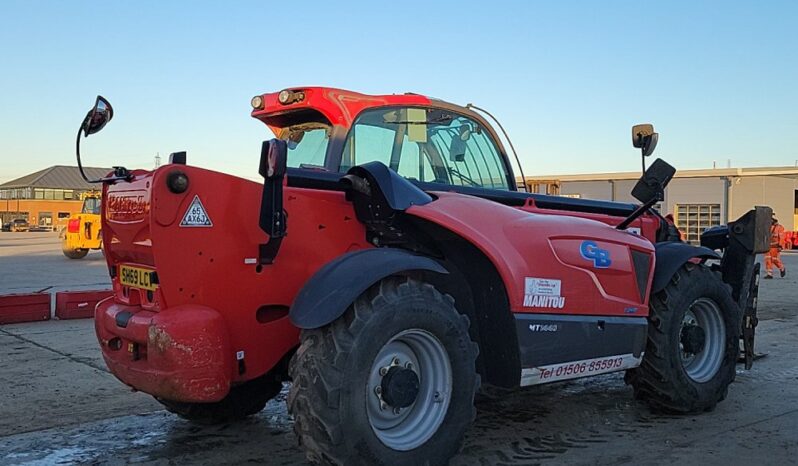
75 253
692 348
391 382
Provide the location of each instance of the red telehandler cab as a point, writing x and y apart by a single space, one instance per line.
389 267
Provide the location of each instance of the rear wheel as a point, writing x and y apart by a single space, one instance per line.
75 253
692 347
391 382
243 400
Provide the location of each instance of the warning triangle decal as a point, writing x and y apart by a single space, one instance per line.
195 215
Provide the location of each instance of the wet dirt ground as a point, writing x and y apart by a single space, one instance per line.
59 405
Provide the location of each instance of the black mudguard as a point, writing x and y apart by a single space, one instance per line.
331 290
671 255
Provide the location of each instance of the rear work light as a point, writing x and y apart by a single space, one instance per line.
74 225
287 96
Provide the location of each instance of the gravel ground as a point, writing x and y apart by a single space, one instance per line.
59 405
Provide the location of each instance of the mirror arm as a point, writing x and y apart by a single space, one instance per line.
120 173
80 165
637 213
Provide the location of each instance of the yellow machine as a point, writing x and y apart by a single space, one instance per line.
83 231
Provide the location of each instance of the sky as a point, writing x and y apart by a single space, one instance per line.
567 79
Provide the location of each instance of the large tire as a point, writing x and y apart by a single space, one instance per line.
692 347
340 414
75 253
243 400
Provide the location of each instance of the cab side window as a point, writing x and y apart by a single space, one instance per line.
428 145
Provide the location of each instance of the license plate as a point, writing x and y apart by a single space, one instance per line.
137 277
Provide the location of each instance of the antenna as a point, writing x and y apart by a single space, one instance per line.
157 159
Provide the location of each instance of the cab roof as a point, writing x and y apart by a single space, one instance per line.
338 106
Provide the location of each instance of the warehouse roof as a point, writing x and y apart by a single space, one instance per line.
58 177
704 173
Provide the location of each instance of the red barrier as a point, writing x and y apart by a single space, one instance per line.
78 304
24 307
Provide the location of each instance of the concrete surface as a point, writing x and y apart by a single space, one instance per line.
58 405
32 262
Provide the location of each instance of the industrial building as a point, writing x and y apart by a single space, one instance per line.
698 199
47 198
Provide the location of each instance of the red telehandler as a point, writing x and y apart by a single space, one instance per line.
389 267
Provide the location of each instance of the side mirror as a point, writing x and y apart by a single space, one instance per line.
644 138
273 159
651 186
458 148
97 117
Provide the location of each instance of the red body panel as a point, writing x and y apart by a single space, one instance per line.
524 245
212 268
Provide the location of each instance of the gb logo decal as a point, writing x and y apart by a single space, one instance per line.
592 252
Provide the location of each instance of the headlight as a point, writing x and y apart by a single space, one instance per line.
257 102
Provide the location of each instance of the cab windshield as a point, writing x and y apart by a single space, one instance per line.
427 145
91 205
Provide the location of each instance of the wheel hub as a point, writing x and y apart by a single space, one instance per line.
693 339
408 390
400 387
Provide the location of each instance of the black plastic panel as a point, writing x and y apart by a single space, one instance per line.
546 339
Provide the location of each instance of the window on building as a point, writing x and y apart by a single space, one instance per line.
46 219
693 219
68 195
38 193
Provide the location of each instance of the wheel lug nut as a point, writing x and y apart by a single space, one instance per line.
383 371
378 390
397 410
409 365
395 361
383 405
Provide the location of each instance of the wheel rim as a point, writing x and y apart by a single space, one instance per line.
419 352
702 321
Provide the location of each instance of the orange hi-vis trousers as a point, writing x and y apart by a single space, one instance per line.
773 257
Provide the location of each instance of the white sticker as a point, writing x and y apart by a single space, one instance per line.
543 292
634 230
574 369
542 286
196 216
239 355
250 260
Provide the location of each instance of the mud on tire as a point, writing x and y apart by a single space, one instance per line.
672 378
334 369
243 400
